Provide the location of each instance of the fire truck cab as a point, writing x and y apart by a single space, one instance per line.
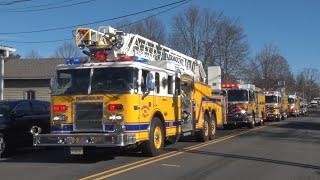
274 106
245 107
293 105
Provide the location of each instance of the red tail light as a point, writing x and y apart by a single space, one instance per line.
127 58
59 108
113 107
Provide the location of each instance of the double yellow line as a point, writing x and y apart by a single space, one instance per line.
144 162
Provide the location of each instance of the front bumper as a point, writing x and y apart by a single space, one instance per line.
238 120
273 116
88 139
292 113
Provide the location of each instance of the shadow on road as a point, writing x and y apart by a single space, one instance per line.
299 125
273 161
37 155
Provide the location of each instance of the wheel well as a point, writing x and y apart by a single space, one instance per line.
213 113
160 116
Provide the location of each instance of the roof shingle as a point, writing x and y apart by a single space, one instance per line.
30 68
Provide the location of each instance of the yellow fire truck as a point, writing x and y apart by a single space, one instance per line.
131 91
246 106
275 105
293 105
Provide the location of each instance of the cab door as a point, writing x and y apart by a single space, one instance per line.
187 118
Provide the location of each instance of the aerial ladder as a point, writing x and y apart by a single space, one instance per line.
107 43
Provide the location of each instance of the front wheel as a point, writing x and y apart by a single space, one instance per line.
253 122
154 145
203 134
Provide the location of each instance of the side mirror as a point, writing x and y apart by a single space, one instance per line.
150 82
50 87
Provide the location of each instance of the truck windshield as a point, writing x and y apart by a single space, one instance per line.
291 101
237 95
104 80
271 99
113 80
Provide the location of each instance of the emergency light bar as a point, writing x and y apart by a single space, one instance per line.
75 61
117 59
230 85
276 93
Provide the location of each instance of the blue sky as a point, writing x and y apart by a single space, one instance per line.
292 25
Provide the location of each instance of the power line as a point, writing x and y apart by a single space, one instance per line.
96 22
37 42
6 3
49 8
68 39
161 12
28 7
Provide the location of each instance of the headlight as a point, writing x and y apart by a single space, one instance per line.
243 111
60 118
116 117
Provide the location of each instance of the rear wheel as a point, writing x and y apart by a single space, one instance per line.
213 127
203 134
154 145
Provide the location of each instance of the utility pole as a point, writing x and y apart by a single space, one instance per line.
4 52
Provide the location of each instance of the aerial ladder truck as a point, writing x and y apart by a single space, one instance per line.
132 92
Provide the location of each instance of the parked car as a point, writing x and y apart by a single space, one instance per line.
17 117
314 104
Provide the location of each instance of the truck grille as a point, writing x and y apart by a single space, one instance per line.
88 116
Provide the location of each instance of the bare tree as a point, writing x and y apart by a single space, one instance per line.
290 83
308 83
231 48
269 69
187 32
32 54
213 37
151 28
67 50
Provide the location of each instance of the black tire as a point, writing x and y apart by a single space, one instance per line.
5 149
253 122
213 127
278 119
203 134
153 147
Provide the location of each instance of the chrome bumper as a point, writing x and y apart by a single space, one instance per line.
89 139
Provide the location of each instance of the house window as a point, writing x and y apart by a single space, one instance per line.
30 94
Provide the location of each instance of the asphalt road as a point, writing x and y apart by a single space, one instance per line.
289 149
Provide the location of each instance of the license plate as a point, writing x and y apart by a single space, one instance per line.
76 150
